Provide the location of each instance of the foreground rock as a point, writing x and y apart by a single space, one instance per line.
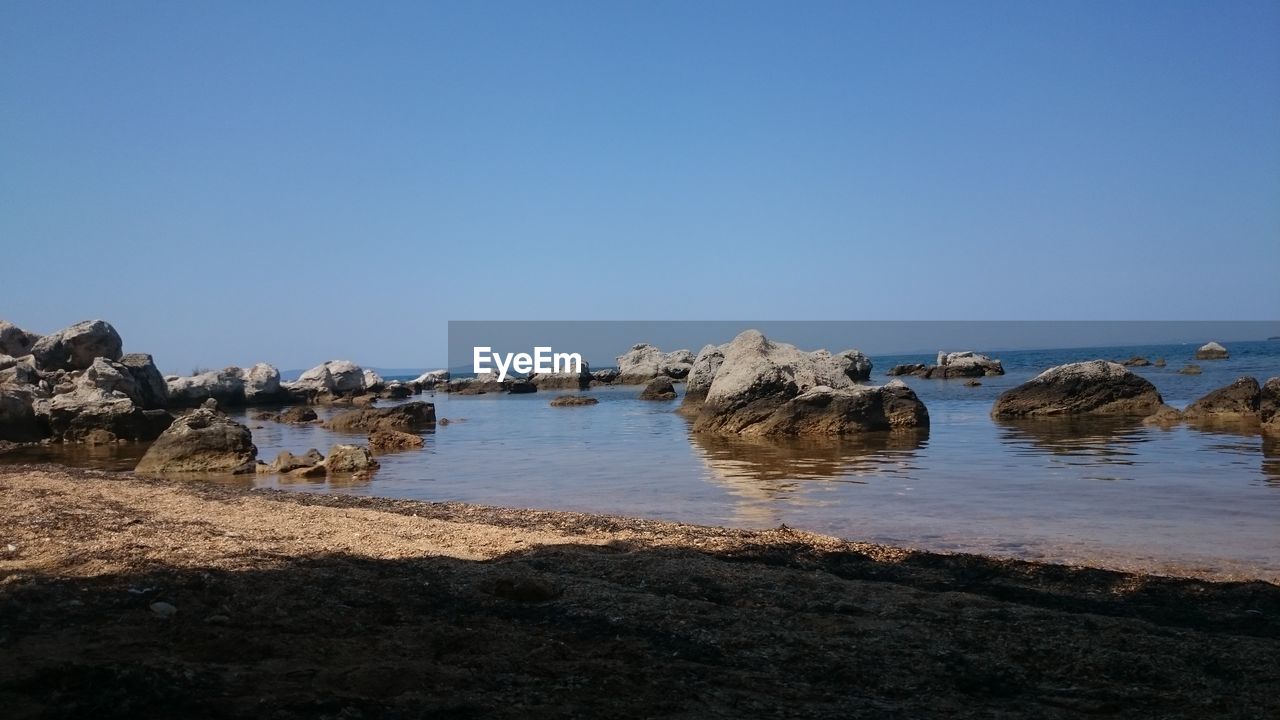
1212 351
767 388
659 388
574 401
201 441
409 416
385 441
1096 387
76 347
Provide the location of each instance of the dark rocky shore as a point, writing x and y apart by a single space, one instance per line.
122 597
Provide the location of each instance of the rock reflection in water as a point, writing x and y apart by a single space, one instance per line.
765 474
108 456
1271 459
1077 440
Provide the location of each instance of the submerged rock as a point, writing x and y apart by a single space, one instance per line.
385 441
1096 387
1190 370
409 416
1212 351
201 441
574 401
769 388
288 462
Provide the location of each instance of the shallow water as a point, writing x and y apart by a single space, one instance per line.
1184 500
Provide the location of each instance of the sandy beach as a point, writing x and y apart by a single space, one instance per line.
127 597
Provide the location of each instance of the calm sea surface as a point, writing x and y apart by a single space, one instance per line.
1101 492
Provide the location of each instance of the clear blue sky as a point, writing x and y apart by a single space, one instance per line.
229 182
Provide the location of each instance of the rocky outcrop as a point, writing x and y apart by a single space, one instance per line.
76 347
409 416
387 441
153 391
396 390
1096 387
965 364
332 379
574 401
1241 400
350 459
373 382
643 362
226 386
659 388
1212 351
14 341
262 385
606 376
201 441
431 378
103 404
765 388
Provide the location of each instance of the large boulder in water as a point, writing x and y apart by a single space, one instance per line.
1212 351
659 388
1096 387
769 388
350 459
335 377
409 416
1241 400
966 364
75 348
201 441
261 384
15 341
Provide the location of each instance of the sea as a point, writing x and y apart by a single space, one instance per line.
1180 500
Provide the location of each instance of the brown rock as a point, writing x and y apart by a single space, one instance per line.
574 401
386 441
409 416
1097 387
659 388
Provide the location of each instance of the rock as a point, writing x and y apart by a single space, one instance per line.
1159 363
211 405
580 380
1136 361
288 462
385 441
15 371
262 384
15 341
1212 351
574 401
606 376
1096 387
972 383
335 377
643 362
226 386
1190 370
297 415
76 347
163 609
396 390
856 365
966 364
659 388
487 383
769 388
18 421
409 416
350 459
201 441
906 369
1165 417
97 409
431 378
521 387
1240 400
701 374
153 391
1269 406
373 382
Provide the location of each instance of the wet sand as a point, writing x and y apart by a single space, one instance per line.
303 605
